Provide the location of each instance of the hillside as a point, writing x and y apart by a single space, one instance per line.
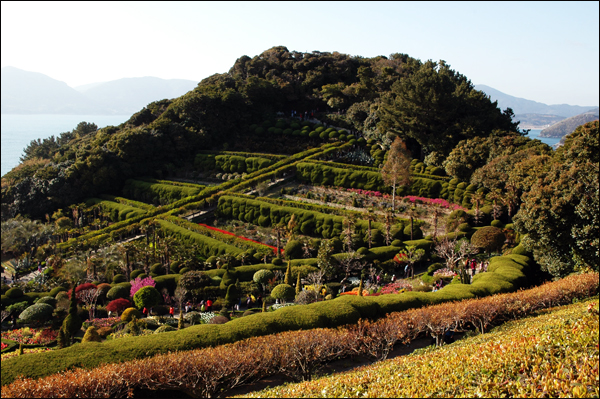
568 125
523 106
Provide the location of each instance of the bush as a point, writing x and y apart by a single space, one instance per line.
129 314
91 335
293 249
14 293
174 267
277 261
184 270
218 320
146 297
164 328
283 292
47 299
135 273
397 243
488 238
38 313
192 318
104 332
72 324
54 291
119 278
157 268
118 305
497 223
118 291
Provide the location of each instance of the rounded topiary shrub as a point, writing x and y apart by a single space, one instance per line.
117 292
362 251
164 328
130 313
47 299
489 239
175 266
293 249
184 270
263 276
14 293
136 273
464 227
119 278
397 243
497 223
54 291
277 261
284 292
218 320
91 335
118 305
157 268
72 324
146 297
37 313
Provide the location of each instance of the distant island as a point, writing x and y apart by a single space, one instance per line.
25 92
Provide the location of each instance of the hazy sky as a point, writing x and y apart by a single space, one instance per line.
542 51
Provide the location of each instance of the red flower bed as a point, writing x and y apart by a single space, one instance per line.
240 237
31 336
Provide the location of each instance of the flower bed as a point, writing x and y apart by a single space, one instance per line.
445 272
30 336
437 201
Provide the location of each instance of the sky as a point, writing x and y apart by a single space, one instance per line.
542 51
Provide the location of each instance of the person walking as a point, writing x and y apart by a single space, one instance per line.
171 311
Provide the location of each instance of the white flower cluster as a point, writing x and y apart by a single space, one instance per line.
207 316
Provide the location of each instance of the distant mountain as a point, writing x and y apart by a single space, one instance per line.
26 92
523 106
129 95
568 125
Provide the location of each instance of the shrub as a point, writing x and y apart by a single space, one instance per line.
293 249
263 276
283 292
193 318
194 279
47 299
54 291
119 278
174 267
146 297
37 313
164 328
91 335
135 273
488 238
104 332
72 324
14 293
118 305
497 223
139 282
157 268
184 270
129 314
277 262
218 320
118 291
362 251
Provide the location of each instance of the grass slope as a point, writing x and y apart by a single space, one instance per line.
554 354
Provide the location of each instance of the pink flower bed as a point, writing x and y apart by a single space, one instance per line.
240 237
437 201
106 322
368 193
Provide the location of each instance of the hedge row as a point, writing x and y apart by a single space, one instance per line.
117 211
505 274
310 223
127 201
207 246
231 163
226 238
322 174
155 192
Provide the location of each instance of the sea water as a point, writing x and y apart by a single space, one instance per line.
19 130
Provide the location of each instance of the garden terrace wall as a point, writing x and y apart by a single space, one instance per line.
333 313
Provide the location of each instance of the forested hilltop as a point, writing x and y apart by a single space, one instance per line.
431 106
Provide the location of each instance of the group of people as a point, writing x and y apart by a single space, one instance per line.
472 266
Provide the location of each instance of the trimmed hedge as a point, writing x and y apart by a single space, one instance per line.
506 273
